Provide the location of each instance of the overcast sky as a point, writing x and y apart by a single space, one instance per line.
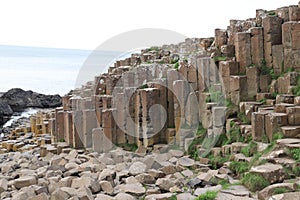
86 24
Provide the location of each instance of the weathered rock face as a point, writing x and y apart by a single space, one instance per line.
16 100
5 111
19 99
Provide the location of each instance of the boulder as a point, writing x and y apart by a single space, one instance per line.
164 196
271 172
124 196
103 197
286 196
185 196
24 193
86 181
3 185
186 162
200 191
137 168
165 183
107 187
134 189
267 192
25 181
84 193
19 99
42 196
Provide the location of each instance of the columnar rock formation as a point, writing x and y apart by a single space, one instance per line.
232 103
252 61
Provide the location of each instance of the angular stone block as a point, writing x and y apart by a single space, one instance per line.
283 13
219 116
78 129
100 142
243 50
290 131
273 122
220 37
294 13
238 89
252 74
278 61
258 125
59 124
293 115
257 45
264 82
89 123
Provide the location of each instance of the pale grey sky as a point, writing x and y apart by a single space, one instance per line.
85 24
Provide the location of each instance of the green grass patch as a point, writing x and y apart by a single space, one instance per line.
296 171
201 131
263 101
144 86
296 90
234 135
242 116
239 167
209 195
250 150
220 58
176 65
225 184
217 161
280 190
277 136
295 154
128 147
173 197
255 182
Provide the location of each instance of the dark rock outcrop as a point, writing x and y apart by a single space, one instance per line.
16 100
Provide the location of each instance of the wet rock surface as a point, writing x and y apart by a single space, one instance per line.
17 100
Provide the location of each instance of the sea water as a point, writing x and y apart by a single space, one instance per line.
47 70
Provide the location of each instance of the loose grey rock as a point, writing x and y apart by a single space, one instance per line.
25 181
107 187
137 168
124 196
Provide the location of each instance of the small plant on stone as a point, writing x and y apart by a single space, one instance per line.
296 154
263 101
239 167
217 161
296 90
176 65
220 58
62 140
234 135
278 136
242 116
144 86
296 171
250 149
280 190
255 182
209 195
173 197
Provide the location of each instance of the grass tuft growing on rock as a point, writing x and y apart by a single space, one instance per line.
280 190
239 167
255 182
250 149
296 90
209 195
296 154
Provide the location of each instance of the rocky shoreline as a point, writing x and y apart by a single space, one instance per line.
241 141
17 100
